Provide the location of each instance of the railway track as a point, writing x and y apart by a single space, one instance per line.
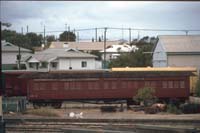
103 125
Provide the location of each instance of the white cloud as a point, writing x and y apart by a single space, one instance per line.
89 14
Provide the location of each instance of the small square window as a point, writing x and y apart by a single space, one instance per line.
84 64
44 64
54 64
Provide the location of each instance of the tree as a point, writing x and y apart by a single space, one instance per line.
36 40
67 36
50 38
97 53
145 95
6 24
134 59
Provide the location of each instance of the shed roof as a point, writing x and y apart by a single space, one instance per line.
87 46
9 47
180 43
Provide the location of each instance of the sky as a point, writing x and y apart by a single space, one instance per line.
90 14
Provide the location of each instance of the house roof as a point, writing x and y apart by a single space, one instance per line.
180 43
9 47
52 54
120 48
87 46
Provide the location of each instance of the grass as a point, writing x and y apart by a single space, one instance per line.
43 112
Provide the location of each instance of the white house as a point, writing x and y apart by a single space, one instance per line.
177 51
83 46
62 59
9 55
114 51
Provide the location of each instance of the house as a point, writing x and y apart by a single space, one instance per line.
83 46
114 51
177 51
9 55
113 48
61 59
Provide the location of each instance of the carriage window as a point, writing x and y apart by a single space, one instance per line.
170 84
123 84
114 85
106 85
54 86
36 86
164 84
182 84
91 85
153 84
77 85
66 85
43 86
72 85
176 84
147 83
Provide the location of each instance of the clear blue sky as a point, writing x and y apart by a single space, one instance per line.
54 15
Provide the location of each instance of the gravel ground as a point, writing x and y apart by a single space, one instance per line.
92 111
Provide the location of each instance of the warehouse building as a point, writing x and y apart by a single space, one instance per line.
177 51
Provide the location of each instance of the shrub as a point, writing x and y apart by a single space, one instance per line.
190 108
173 109
145 95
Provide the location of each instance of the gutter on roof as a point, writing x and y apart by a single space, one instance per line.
183 53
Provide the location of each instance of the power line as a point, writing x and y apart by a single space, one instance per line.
136 29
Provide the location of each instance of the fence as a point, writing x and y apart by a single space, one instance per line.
14 104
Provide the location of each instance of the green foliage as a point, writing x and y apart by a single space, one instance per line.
173 109
97 53
145 94
50 38
28 40
197 88
6 24
190 108
134 59
36 40
67 36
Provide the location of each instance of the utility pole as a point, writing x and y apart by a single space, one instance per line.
104 59
44 36
19 52
77 36
186 32
27 29
138 35
129 35
96 34
122 33
66 32
22 30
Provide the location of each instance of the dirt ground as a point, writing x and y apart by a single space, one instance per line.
91 111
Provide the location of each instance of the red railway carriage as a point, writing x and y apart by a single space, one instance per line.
15 86
56 87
